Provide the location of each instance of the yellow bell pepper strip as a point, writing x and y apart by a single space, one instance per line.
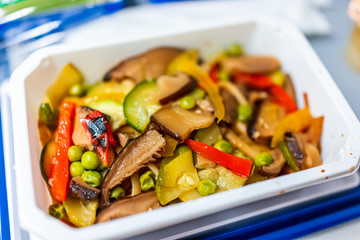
239 166
59 179
293 122
186 63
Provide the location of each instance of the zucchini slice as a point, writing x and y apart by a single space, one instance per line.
140 104
47 154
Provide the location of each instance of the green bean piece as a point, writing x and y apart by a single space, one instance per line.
57 211
90 160
187 102
117 193
75 153
77 90
263 159
92 178
76 169
224 146
290 160
244 112
197 94
206 187
235 50
147 181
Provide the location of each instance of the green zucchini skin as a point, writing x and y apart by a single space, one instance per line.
42 169
140 104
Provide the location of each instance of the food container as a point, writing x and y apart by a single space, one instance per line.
340 140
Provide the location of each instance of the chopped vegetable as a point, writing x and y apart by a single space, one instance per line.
147 181
117 193
112 108
140 104
47 154
186 63
187 102
57 211
278 78
282 98
47 115
260 82
77 90
244 112
209 135
224 146
293 122
68 76
177 175
263 159
81 212
90 160
76 169
92 178
197 94
206 187
59 179
229 86
288 156
239 166
235 50
75 153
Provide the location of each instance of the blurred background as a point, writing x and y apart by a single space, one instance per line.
329 25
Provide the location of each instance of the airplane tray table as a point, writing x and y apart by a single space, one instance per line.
290 215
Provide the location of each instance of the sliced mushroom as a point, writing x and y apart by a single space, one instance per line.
129 206
79 136
151 64
275 167
171 88
81 189
250 150
230 106
205 105
313 158
251 64
178 123
265 118
132 157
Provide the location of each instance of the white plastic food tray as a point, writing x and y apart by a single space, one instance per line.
340 140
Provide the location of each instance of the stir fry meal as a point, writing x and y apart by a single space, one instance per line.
168 126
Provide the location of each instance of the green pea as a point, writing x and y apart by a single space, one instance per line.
77 90
244 112
235 50
197 94
147 181
206 187
224 146
92 178
187 102
263 159
117 193
57 211
278 78
75 153
90 160
181 149
76 169
224 75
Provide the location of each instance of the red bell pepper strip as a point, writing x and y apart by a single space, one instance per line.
106 135
59 179
239 166
260 82
282 98
214 72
